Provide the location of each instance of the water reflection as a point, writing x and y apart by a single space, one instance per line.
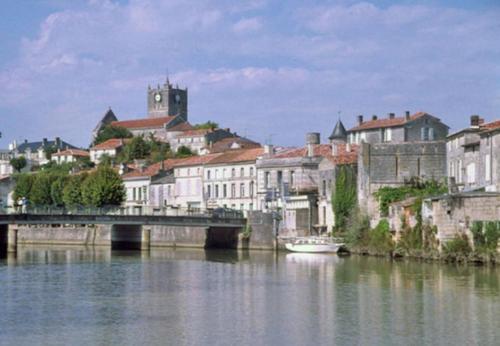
182 296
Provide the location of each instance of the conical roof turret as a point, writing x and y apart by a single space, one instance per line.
339 132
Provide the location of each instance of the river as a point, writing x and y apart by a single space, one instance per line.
79 296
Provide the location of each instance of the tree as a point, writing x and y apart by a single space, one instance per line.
49 151
184 151
210 125
41 190
24 183
344 196
18 163
56 190
137 149
103 187
72 192
109 132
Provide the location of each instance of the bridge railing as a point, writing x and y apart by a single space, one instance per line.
125 211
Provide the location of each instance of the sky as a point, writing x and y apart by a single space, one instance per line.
269 70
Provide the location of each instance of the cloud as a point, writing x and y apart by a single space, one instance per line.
253 65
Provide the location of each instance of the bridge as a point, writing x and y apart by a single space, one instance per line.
129 227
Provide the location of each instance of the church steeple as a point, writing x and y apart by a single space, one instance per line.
167 101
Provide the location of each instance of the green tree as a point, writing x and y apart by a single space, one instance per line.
109 132
137 149
344 196
41 190
103 187
57 188
24 183
18 163
210 125
183 151
72 192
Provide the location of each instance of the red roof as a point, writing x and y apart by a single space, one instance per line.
325 150
237 155
195 132
72 152
112 143
387 122
144 123
226 143
491 126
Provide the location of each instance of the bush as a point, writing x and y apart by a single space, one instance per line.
109 132
72 193
24 183
358 226
380 238
18 163
459 245
492 234
41 190
56 190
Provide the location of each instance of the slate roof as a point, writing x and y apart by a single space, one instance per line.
388 122
184 126
148 123
339 132
108 117
34 146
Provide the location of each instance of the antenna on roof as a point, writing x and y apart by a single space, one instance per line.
339 114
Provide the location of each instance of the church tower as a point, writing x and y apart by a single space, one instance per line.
167 100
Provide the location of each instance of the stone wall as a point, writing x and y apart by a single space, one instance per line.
262 236
453 214
99 235
174 236
387 164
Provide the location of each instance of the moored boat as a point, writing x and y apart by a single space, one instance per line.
313 245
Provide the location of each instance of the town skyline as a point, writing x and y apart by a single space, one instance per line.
66 63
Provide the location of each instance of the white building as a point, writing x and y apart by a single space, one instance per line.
111 148
70 155
230 180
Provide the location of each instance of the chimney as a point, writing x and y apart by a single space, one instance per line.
392 115
44 142
58 142
474 121
407 115
360 119
269 149
374 117
25 141
312 139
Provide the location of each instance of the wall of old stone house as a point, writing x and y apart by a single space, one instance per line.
455 213
392 165
414 134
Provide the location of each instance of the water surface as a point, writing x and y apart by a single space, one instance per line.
79 296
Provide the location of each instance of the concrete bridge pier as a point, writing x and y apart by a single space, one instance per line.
8 239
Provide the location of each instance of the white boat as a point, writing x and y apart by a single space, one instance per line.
313 244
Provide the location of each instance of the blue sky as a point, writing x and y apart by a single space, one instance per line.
271 70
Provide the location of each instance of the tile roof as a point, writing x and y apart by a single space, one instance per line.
144 123
324 150
72 152
112 143
494 125
238 155
387 122
195 132
227 143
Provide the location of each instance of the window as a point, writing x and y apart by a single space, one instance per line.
471 173
242 206
216 173
251 171
208 175
324 188
292 178
139 194
233 173
251 188
209 191
460 171
431 134
424 133
487 167
216 191
267 180
280 179
250 206
233 191
242 190
242 172
224 190
134 195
